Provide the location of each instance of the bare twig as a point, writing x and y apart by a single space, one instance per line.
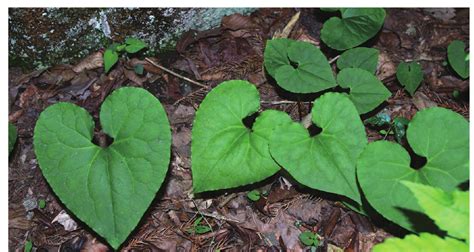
279 102
189 95
175 74
227 199
214 216
334 59
288 28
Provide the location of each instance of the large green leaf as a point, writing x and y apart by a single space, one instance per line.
107 188
457 58
366 91
225 153
356 26
326 161
11 137
450 211
310 72
409 75
440 135
426 242
360 57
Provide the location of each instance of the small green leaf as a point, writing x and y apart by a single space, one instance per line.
11 136
110 58
410 76
366 91
120 48
456 94
225 153
439 135
138 68
253 195
134 45
325 161
41 203
399 127
379 119
309 238
198 228
201 229
360 57
383 132
297 66
117 183
356 27
457 58
28 246
449 210
426 242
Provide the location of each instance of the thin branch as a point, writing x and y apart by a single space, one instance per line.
279 102
175 74
334 59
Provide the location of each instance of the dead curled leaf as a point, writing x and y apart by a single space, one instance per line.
422 101
66 221
132 76
92 61
237 22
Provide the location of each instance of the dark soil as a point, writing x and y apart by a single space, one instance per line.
233 51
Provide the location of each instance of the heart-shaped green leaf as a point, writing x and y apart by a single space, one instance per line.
426 242
134 45
110 58
449 210
297 66
458 58
360 57
356 26
410 76
326 161
107 188
225 153
11 137
440 135
366 91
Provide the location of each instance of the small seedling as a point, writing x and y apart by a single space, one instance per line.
396 127
138 69
254 195
41 203
111 55
309 238
28 246
198 228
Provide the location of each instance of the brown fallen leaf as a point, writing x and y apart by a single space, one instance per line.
237 22
422 101
132 76
27 96
92 61
93 245
385 68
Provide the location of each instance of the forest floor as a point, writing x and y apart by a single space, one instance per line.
232 51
